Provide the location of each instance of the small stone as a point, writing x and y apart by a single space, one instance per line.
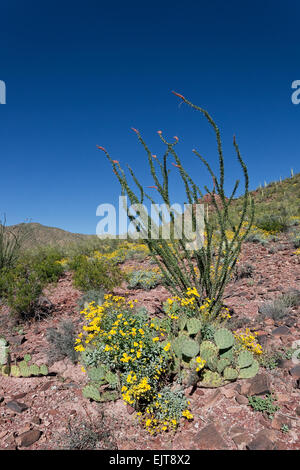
237 430
228 393
281 331
130 410
16 406
295 371
284 364
212 400
36 420
46 386
209 438
28 438
17 340
20 395
241 439
280 421
259 385
261 442
242 400
298 410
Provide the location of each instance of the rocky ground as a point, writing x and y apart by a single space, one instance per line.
49 412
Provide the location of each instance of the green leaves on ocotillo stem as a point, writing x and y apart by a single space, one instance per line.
175 259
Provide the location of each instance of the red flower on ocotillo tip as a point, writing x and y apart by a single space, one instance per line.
153 156
177 94
153 187
135 130
116 161
101 148
159 132
177 166
176 138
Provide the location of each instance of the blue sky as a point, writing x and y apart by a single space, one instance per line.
81 74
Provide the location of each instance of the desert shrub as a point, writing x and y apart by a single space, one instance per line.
256 238
264 404
275 309
45 264
122 348
86 435
11 243
272 223
144 279
90 273
222 237
244 271
61 341
291 298
296 241
21 289
93 295
22 285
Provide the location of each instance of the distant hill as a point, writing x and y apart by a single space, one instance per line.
41 235
273 198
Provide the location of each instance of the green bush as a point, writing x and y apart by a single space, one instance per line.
11 243
272 223
143 279
22 285
61 341
264 404
90 273
93 295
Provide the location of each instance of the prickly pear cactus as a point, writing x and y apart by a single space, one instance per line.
91 391
15 371
190 348
97 374
193 326
245 359
43 370
211 379
223 338
230 373
249 372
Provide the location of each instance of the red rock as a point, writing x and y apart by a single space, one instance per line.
16 406
295 371
259 385
242 400
242 439
28 438
261 442
280 421
209 438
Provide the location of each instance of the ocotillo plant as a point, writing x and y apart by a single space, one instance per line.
208 267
